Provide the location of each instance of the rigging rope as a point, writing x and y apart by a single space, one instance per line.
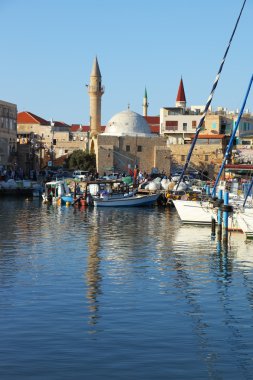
209 100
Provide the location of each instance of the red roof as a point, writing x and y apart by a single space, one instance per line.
60 124
181 94
80 128
26 117
154 123
155 129
153 119
83 128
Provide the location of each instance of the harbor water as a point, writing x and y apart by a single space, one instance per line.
121 294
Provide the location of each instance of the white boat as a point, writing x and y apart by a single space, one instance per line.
126 201
245 221
194 212
57 192
202 213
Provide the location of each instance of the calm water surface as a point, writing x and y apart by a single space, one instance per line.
120 294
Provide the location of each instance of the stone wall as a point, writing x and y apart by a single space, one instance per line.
124 152
206 157
118 153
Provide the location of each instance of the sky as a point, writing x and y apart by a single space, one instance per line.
48 48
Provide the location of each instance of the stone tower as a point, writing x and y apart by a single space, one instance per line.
145 104
95 90
181 100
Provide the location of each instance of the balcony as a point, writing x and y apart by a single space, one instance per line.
96 89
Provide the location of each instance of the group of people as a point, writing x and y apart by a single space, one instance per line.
14 173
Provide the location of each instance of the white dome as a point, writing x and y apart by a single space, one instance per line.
127 123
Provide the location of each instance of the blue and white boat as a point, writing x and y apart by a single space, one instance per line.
57 192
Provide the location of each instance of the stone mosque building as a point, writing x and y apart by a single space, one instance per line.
127 140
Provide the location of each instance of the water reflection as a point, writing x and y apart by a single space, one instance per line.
93 275
155 292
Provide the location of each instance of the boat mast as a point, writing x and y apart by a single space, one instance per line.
209 100
229 146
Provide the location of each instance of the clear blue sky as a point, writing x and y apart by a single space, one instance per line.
48 47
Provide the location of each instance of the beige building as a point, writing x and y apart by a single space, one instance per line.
127 142
178 125
245 134
8 133
41 142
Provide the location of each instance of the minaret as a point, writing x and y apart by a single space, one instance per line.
145 104
95 90
181 100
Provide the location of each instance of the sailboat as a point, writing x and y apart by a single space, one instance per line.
202 212
198 212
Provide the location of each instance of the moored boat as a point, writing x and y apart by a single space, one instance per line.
126 201
57 192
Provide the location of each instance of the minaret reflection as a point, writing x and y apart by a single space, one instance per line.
93 276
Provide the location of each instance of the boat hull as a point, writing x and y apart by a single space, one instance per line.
67 199
194 212
134 201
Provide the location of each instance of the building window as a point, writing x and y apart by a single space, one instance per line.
206 157
184 127
66 151
171 123
139 148
246 142
127 148
214 125
182 158
194 124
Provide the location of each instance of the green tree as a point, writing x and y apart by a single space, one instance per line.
82 160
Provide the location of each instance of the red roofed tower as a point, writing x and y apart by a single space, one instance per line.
181 100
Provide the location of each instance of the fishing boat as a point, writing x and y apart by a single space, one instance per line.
127 200
57 192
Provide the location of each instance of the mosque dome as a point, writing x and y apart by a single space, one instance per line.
127 123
